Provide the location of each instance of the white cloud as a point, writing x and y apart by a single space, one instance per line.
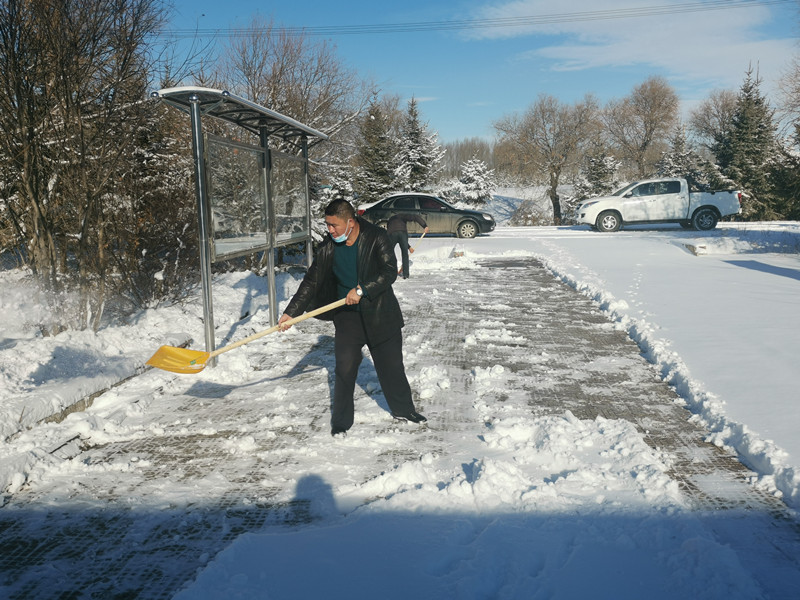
589 18
711 48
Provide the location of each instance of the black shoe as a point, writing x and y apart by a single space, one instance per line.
413 416
338 431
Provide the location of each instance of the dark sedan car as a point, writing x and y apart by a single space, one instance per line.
440 216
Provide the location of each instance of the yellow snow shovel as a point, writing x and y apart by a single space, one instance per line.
183 360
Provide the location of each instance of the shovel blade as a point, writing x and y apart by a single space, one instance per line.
179 360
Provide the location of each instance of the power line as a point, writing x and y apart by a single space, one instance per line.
460 25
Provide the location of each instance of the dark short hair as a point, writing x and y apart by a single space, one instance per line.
340 208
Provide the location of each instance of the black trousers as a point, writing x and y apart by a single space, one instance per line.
388 359
401 237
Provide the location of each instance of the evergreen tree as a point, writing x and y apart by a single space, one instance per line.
375 160
420 155
474 186
478 181
786 178
599 174
747 153
683 161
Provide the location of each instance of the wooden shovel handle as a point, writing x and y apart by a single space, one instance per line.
260 334
419 240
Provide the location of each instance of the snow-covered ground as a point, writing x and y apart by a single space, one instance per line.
716 312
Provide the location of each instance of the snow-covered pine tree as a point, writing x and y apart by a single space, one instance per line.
420 156
598 175
786 177
478 182
375 161
749 150
683 161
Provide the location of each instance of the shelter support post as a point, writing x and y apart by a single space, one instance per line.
309 248
203 220
271 229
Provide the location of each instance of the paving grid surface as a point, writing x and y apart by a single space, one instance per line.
108 543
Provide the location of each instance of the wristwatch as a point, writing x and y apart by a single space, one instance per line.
359 291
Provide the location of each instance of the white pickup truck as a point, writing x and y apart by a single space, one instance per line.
658 201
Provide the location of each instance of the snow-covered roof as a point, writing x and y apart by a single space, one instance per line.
228 107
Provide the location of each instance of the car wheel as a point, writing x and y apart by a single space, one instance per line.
705 219
467 229
608 221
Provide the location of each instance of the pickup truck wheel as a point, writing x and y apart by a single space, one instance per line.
608 221
467 229
704 219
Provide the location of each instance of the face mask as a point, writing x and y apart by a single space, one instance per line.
343 237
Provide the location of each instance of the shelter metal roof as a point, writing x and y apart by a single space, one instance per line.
228 107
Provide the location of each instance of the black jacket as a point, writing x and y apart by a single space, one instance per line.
398 222
377 271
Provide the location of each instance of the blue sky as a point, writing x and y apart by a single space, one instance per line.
466 78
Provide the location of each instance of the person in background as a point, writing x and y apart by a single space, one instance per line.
397 229
357 262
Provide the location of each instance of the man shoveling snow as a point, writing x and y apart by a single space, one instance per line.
357 263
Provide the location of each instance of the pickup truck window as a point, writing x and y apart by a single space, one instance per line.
670 187
624 190
656 188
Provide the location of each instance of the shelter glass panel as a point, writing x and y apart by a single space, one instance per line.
289 198
237 197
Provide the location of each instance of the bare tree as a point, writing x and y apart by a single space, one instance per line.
712 120
639 122
790 92
786 176
459 152
293 76
73 75
547 139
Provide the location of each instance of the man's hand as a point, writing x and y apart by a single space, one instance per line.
352 297
282 320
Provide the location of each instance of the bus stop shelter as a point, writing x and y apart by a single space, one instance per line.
251 196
